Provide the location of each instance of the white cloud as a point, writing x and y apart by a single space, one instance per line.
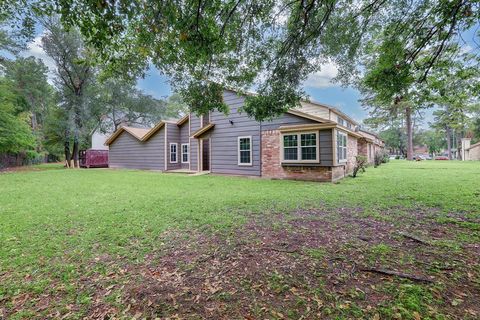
322 78
34 48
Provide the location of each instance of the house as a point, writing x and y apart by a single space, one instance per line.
312 142
369 144
470 151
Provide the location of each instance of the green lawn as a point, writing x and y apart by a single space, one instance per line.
58 225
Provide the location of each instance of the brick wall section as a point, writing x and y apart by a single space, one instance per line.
272 167
352 152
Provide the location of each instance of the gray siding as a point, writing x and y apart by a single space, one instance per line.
127 152
184 138
285 120
173 136
326 147
224 138
194 126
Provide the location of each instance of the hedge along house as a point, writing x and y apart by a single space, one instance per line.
312 142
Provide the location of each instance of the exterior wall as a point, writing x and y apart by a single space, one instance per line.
224 138
98 140
352 152
272 166
319 111
474 153
285 119
173 136
184 138
194 124
128 152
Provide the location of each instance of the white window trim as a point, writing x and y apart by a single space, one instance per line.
187 153
176 152
346 147
299 147
238 150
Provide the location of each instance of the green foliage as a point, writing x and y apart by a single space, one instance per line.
15 133
360 165
272 45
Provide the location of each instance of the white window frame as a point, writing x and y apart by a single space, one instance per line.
299 147
238 151
176 152
346 146
187 153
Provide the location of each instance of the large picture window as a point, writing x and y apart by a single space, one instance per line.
300 147
185 153
341 146
173 153
245 151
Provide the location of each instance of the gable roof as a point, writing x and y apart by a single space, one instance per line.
137 133
203 130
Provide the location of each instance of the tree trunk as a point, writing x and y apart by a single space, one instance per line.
449 142
75 152
67 152
408 118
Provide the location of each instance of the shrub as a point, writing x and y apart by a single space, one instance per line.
380 157
360 165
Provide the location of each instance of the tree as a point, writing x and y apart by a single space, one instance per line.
122 103
455 87
74 75
29 77
273 45
15 133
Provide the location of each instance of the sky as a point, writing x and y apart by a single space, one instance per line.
318 86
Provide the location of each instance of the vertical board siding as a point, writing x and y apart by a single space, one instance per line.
173 136
194 126
224 138
128 152
326 147
184 138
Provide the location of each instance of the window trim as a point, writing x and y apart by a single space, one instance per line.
339 132
176 152
187 153
249 164
299 147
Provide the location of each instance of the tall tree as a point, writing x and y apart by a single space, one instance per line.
15 133
73 76
29 77
455 88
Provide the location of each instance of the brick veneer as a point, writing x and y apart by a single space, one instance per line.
272 167
352 152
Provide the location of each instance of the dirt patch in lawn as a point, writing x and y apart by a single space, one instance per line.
303 265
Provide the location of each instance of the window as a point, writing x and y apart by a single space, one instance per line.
244 151
341 121
173 153
341 146
185 153
300 147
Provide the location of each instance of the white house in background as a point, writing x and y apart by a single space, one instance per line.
98 140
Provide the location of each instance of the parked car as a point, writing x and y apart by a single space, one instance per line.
441 158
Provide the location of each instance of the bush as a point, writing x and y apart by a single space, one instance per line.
380 157
360 165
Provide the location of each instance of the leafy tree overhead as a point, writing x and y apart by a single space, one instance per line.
272 44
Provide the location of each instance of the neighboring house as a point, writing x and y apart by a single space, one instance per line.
369 144
313 142
470 151
98 140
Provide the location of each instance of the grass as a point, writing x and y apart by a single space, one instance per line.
57 225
